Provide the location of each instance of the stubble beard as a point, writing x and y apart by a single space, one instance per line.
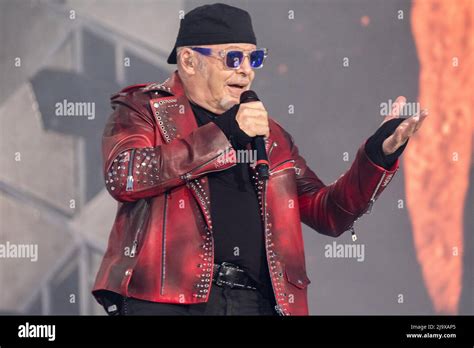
227 102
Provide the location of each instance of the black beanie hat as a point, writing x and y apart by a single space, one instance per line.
212 25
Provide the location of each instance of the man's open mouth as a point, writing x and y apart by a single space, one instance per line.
237 86
236 89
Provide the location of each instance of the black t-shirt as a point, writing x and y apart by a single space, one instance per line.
237 225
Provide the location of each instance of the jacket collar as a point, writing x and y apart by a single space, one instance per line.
173 112
172 85
176 127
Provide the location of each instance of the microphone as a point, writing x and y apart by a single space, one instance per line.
258 143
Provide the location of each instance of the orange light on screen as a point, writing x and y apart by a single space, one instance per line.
438 159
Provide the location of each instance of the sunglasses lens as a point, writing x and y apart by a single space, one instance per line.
234 59
256 58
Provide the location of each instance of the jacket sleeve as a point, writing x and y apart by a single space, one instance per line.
333 209
135 167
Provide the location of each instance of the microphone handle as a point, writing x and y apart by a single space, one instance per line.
258 143
262 160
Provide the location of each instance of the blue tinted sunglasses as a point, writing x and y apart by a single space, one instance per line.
233 58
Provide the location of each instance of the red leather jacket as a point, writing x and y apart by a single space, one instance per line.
155 164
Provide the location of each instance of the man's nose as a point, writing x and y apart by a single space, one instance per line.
245 66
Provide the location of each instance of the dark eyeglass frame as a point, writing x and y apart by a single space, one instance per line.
222 55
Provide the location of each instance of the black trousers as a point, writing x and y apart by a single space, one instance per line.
222 301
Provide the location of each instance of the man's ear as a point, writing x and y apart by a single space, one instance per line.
188 61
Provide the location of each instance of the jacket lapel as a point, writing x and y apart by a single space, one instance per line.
175 120
173 113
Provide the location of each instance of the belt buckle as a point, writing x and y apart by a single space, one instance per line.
220 273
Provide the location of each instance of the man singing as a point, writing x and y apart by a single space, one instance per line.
198 235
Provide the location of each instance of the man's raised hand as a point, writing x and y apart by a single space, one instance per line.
405 130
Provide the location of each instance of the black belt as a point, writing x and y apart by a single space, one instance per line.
228 274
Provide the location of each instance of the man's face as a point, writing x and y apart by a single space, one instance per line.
217 87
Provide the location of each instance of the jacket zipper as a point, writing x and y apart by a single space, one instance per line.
372 199
274 169
189 174
163 246
274 144
130 172
279 310
137 234
369 206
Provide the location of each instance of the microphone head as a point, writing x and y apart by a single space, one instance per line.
248 96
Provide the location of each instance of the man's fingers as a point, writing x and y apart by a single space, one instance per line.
253 119
414 123
261 130
257 105
403 132
422 117
399 137
396 108
249 112
408 127
257 119
389 145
